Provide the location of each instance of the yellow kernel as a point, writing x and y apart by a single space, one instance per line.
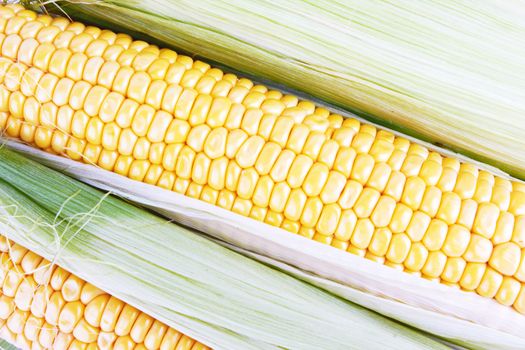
141 149
449 208
435 264
436 234
399 248
279 197
294 206
506 258
519 303
486 220
366 202
490 283
504 227
501 196
418 226
78 95
362 142
110 136
123 164
298 137
381 150
316 179
346 225
343 245
281 131
517 203
413 192
396 160
313 144
518 234
311 212
329 219
322 238
467 213
197 137
200 170
416 258
333 188
249 151
235 139
395 185
94 131
430 172
345 160
266 126
479 249
232 175
217 173
177 131
92 69
274 219
362 169
247 182
380 241
184 163
457 241
356 251
215 144
267 158
142 120
447 180
363 232
453 269
412 165
384 211
401 218
328 153
508 291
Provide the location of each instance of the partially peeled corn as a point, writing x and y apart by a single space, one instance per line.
43 306
164 119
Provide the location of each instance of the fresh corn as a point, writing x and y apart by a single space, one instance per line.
43 306
209 292
161 118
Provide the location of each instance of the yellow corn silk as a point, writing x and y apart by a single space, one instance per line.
164 119
43 306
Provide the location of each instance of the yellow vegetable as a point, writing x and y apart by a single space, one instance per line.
44 306
161 118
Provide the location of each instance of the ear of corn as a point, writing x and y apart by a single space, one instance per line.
164 119
208 292
455 80
45 307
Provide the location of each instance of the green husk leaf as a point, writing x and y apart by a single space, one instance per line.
449 72
210 292
4 345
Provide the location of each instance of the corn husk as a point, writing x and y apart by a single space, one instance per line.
450 72
460 317
4 345
207 291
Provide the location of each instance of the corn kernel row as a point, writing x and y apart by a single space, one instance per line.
43 306
164 119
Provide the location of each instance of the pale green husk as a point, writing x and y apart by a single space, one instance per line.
210 292
448 71
6 346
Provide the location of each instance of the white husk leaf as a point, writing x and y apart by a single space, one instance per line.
207 291
461 317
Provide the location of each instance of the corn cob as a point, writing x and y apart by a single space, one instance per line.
43 306
164 119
